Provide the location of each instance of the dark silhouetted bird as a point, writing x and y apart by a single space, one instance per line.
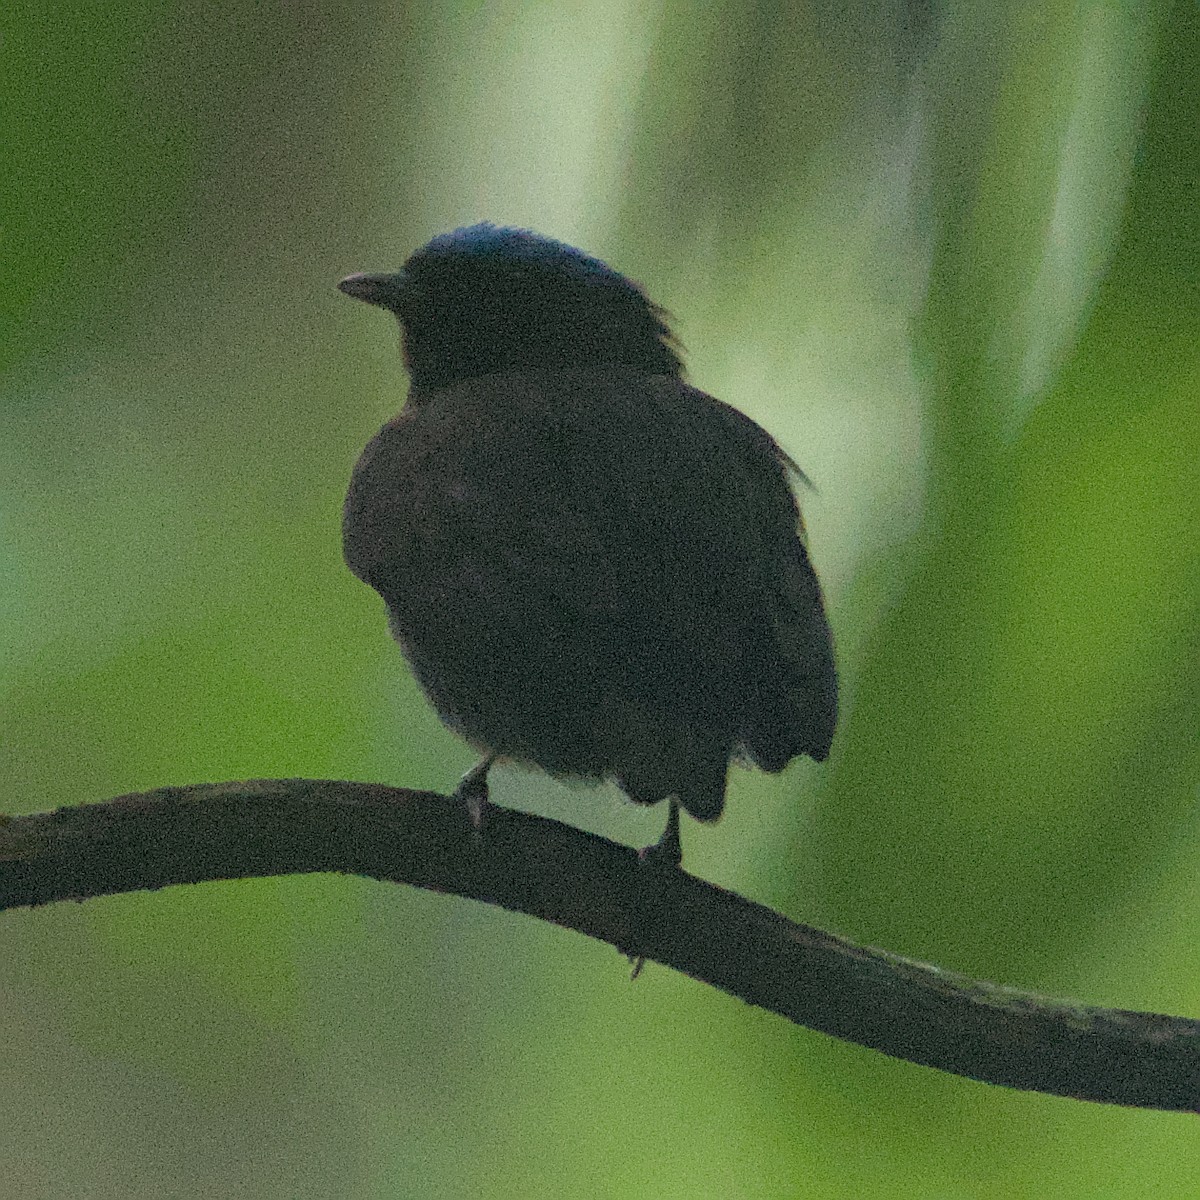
591 566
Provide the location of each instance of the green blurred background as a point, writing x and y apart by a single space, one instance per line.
949 254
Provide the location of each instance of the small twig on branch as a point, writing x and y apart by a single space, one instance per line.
549 870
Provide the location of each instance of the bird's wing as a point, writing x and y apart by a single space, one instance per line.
788 672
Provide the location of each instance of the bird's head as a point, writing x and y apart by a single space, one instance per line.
486 298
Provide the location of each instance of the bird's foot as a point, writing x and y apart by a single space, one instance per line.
668 850
472 790
665 855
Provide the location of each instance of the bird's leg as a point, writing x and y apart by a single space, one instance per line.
472 790
666 854
667 851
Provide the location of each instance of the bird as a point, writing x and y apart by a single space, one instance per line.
591 566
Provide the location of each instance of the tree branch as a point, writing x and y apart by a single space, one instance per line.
549 870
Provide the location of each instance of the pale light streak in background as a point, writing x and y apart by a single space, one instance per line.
1097 156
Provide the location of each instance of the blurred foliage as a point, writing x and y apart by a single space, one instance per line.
948 253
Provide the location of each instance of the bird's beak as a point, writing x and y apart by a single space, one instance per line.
381 289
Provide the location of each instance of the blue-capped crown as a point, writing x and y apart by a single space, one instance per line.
503 242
